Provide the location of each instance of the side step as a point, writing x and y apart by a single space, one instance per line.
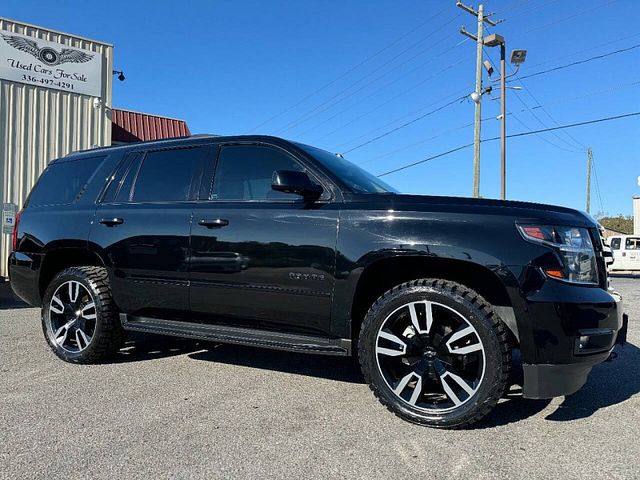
238 335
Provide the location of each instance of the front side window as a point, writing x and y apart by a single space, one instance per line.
632 243
245 172
615 244
167 175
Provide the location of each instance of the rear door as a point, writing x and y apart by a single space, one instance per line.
142 228
261 257
632 251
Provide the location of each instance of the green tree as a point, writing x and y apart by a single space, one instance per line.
619 224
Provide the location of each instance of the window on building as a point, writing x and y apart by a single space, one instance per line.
167 175
62 182
245 172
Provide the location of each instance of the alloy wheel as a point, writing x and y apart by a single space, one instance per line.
72 316
430 356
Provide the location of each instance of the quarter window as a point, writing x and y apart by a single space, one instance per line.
167 175
245 172
63 181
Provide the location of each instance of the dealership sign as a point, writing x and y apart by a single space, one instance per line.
51 65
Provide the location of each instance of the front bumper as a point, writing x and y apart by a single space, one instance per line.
569 338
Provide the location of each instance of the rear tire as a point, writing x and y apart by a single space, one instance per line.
79 318
435 353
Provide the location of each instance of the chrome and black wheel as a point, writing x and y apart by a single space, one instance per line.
79 320
72 316
435 353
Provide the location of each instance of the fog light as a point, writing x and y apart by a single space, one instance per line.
593 340
583 341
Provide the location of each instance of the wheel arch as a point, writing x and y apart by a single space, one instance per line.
59 258
385 273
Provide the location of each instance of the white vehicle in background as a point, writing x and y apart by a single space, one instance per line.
626 252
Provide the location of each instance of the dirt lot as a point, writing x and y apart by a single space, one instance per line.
175 408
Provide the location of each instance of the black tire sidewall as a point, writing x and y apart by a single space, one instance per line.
80 276
490 386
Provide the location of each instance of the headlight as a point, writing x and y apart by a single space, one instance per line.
575 249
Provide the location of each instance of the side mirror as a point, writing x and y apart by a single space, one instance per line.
291 181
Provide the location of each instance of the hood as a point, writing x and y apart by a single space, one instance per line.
522 211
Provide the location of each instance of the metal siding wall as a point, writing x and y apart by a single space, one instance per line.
40 124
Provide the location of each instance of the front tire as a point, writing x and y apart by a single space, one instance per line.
435 353
79 318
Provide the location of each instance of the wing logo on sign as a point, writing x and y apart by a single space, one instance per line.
47 55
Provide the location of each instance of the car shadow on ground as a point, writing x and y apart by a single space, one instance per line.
146 346
609 384
141 346
13 304
7 298
338 368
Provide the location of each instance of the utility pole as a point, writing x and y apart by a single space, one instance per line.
481 18
503 122
589 161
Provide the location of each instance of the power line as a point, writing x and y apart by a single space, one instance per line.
460 127
350 70
513 135
451 95
448 152
386 102
388 84
585 50
595 174
520 78
310 113
406 124
540 121
580 62
577 14
528 9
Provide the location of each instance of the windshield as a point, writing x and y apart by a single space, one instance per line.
357 179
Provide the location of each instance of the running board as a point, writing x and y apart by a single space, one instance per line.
238 335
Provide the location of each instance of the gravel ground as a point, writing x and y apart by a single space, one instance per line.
173 408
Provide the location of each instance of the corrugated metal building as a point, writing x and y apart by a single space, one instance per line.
131 127
40 123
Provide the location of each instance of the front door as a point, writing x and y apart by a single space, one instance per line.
142 229
261 257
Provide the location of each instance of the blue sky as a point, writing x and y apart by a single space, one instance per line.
227 67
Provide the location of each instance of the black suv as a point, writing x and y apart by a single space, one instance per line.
259 241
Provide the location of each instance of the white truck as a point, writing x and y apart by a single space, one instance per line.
626 252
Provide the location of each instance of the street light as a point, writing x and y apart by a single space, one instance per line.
120 74
517 58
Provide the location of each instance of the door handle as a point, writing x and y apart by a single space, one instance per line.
111 222
217 223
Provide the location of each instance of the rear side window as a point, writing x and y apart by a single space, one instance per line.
64 182
168 175
615 243
632 243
